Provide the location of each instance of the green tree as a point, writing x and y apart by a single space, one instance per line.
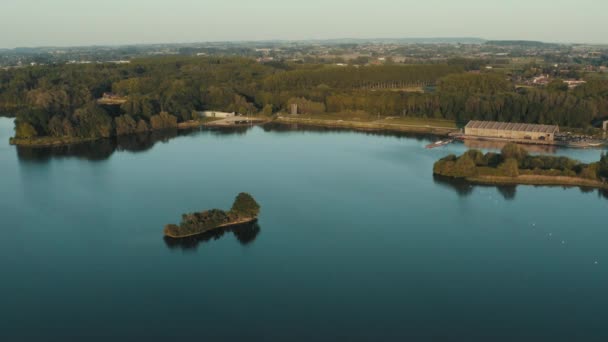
92 122
142 127
24 130
245 206
514 151
603 166
163 120
509 168
125 124
267 110
557 85
465 167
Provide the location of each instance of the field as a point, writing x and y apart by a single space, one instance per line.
366 117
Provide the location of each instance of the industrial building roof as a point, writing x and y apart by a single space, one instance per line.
507 126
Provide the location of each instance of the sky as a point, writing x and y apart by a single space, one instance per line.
29 23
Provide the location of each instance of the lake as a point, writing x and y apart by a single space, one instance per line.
357 241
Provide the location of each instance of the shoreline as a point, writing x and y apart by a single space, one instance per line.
51 141
596 144
48 141
368 126
372 126
225 225
537 180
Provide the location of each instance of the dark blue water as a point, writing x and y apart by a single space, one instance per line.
356 242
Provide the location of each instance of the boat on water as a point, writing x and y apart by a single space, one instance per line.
440 143
585 144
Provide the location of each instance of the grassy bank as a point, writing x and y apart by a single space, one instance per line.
367 123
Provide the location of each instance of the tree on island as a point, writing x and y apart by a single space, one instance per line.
509 168
245 206
514 151
603 166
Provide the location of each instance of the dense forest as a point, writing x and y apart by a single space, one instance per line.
61 100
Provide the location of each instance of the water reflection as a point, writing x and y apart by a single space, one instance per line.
102 149
464 188
276 127
461 186
244 233
507 191
498 145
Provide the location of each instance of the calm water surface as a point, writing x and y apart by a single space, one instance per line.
356 242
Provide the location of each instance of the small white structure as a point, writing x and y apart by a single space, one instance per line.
294 109
605 125
214 114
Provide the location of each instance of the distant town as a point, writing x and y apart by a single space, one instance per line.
528 63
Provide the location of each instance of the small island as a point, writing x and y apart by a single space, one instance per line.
515 166
244 210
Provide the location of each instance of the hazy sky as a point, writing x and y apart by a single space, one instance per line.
88 22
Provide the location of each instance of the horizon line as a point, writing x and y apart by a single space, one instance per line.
242 41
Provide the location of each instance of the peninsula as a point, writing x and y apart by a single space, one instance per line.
515 166
244 210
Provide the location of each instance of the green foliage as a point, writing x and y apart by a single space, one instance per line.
557 85
24 130
492 159
142 127
603 166
451 166
590 172
306 106
197 223
465 167
358 77
514 151
245 206
468 63
514 161
487 84
163 120
509 167
138 106
125 124
92 122
58 100
477 157
267 111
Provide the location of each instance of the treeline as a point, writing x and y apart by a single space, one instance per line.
349 77
61 100
489 97
515 160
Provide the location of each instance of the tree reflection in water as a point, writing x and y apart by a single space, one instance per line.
103 149
244 233
279 127
464 188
